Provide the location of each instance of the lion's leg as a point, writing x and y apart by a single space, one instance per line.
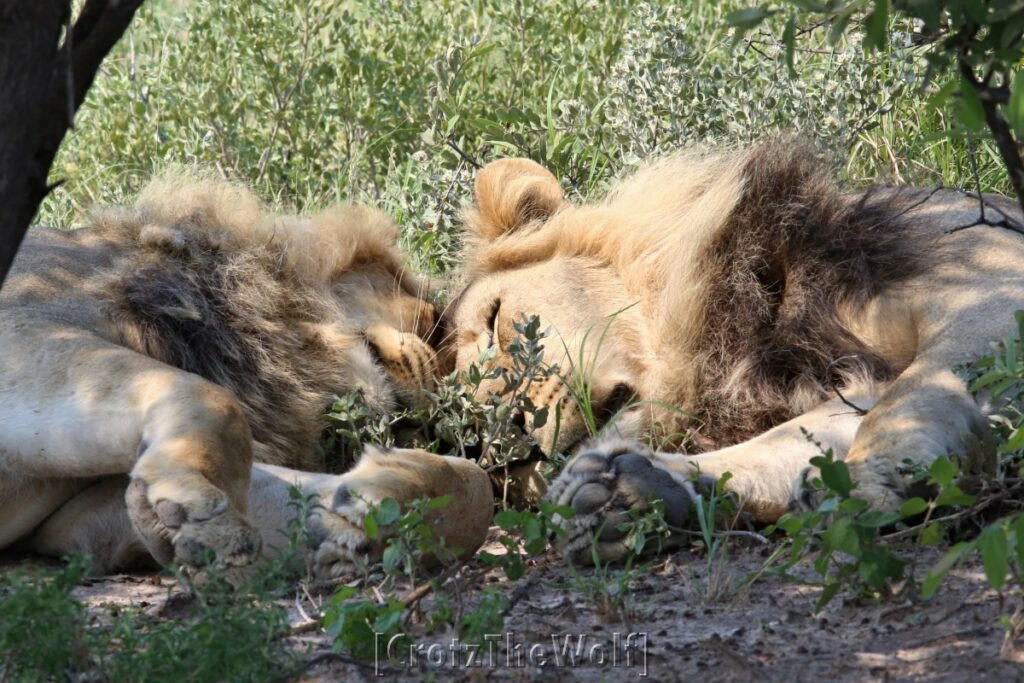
609 477
767 472
926 413
76 406
336 523
24 503
951 315
95 523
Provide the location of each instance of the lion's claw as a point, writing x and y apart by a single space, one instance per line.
601 485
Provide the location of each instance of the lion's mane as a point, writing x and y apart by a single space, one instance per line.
746 261
215 285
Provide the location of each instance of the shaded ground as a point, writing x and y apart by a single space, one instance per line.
684 627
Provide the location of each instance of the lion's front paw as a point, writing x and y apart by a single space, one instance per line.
601 484
194 528
341 546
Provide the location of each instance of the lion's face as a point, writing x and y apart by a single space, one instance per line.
305 307
594 328
395 321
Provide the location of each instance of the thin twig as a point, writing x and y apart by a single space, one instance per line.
966 512
736 533
983 219
972 156
1006 222
928 195
465 157
835 385
304 627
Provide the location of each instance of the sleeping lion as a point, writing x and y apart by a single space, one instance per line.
149 360
738 299
162 371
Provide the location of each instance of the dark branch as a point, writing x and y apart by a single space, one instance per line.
98 28
1000 128
43 82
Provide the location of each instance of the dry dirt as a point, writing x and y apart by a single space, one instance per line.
672 627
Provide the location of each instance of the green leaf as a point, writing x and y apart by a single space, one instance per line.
1011 355
748 18
789 40
1000 388
790 524
532 528
874 519
952 495
985 380
943 471
937 573
914 506
995 554
877 26
439 502
507 519
388 619
370 527
853 506
809 5
836 476
968 109
839 24
1015 442
937 100
932 534
841 536
827 594
977 10
1017 526
513 566
876 568
392 557
388 512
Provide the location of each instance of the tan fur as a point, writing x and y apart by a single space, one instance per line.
181 339
744 288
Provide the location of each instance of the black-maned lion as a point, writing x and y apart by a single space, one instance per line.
148 360
733 296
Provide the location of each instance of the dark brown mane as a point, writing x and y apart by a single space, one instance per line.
792 254
232 316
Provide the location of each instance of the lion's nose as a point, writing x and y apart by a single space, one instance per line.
616 400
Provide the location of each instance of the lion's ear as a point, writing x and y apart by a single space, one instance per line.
510 193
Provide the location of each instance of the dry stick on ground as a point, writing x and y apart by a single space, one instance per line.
43 82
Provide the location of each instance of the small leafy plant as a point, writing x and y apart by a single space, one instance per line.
409 536
526 533
360 626
845 532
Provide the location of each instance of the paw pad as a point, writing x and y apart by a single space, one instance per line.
601 485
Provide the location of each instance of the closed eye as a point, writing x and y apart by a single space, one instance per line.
492 323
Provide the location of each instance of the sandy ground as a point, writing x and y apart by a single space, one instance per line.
673 623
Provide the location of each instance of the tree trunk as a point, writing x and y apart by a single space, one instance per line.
42 84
